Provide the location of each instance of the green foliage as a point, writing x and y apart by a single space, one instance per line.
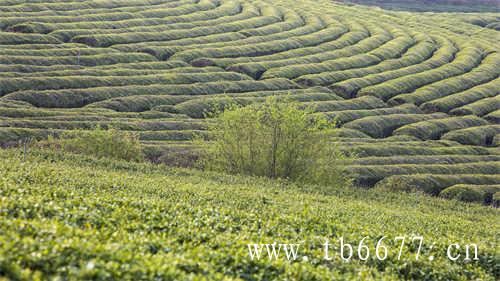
100 143
471 193
276 139
73 217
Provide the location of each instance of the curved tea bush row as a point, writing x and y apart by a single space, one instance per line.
138 103
493 117
198 108
263 48
47 26
90 114
481 135
8 38
425 159
434 184
390 50
9 85
192 48
55 51
471 193
467 59
12 70
488 70
368 175
388 149
434 129
248 13
480 107
120 124
349 56
448 103
113 72
67 11
345 116
383 126
164 102
114 15
70 98
394 140
445 54
227 12
106 40
352 104
496 140
59 5
91 60
16 134
418 53
350 34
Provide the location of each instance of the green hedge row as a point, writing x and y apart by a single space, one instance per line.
55 51
488 70
446 52
327 60
477 93
471 193
198 108
120 124
189 48
10 38
274 44
493 117
434 129
9 85
43 5
480 107
227 12
349 34
10 70
91 114
481 135
199 104
369 175
91 60
48 27
352 104
425 159
106 40
388 149
466 60
418 53
112 15
384 125
345 116
434 184
70 98
390 50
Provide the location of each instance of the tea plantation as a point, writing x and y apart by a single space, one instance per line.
413 94
74 217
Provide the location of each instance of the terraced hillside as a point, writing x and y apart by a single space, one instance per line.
416 96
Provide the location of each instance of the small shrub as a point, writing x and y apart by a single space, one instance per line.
275 139
100 143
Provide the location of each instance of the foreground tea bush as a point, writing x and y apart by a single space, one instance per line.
275 139
73 217
109 143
